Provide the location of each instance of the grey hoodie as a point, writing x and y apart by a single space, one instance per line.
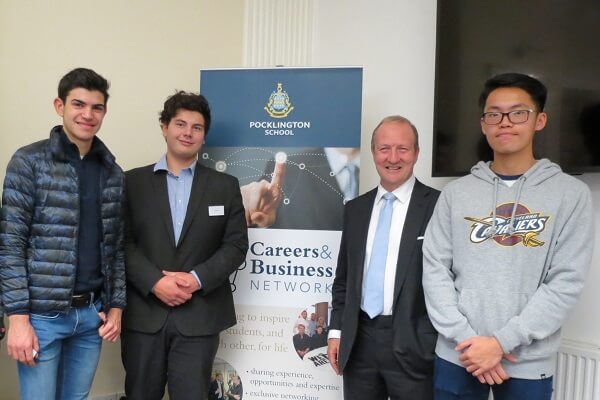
508 262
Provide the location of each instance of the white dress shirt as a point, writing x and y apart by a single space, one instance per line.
400 207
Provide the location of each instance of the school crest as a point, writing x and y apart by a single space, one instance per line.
279 105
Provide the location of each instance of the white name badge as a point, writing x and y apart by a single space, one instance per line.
215 211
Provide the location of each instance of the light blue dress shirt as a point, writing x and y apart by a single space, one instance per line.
179 189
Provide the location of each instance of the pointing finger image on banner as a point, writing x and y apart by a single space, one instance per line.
261 199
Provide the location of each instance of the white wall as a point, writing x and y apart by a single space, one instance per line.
145 48
395 42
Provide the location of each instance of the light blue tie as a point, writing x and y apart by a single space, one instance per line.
373 296
351 189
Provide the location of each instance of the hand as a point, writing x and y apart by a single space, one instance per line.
496 375
111 324
185 280
333 349
261 199
169 290
481 353
22 340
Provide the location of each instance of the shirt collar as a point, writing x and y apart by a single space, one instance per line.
72 150
338 161
402 192
161 165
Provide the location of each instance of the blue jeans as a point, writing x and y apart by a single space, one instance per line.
453 382
69 353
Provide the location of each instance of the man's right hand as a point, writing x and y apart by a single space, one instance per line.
496 375
333 349
21 339
170 290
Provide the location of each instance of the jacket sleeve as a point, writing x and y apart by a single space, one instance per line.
18 201
234 244
140 272
338 290
563 279
438 279
118 294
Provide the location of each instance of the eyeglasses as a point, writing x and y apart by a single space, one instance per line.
515 116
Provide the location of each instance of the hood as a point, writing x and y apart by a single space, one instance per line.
541 171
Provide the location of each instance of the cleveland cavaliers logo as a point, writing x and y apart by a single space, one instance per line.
526 227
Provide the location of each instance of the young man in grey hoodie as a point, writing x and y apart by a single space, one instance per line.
505 256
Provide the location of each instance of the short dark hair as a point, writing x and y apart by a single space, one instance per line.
82 78
186 101
532 86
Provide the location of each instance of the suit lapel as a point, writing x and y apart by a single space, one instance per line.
199 186
159 183
364 219
412 228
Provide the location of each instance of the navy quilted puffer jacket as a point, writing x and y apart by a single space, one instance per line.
39 229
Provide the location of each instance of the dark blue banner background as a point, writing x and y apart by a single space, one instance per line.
328 98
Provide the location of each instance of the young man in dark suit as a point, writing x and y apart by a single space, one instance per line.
186 233
380 337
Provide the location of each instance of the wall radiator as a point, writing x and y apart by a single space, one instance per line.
578 372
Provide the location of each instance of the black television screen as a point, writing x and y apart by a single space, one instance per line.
556 41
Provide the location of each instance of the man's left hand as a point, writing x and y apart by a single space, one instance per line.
191 281
111 324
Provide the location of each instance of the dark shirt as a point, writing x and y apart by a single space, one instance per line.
214 386
317 340
301 342
509 177
236 389
89 276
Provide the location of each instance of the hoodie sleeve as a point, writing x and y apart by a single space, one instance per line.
564 277
441 296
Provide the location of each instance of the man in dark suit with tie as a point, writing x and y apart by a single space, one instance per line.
186 233
216 388
380 337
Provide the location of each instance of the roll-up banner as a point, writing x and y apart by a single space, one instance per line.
291 136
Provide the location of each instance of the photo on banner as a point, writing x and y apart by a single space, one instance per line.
292 138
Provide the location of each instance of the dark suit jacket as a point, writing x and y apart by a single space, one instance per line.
212 246
214 387
414 336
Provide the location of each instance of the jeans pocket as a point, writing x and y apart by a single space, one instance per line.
96 308
98 305
45 316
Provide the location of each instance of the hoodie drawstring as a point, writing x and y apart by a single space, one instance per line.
492 231
511 225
